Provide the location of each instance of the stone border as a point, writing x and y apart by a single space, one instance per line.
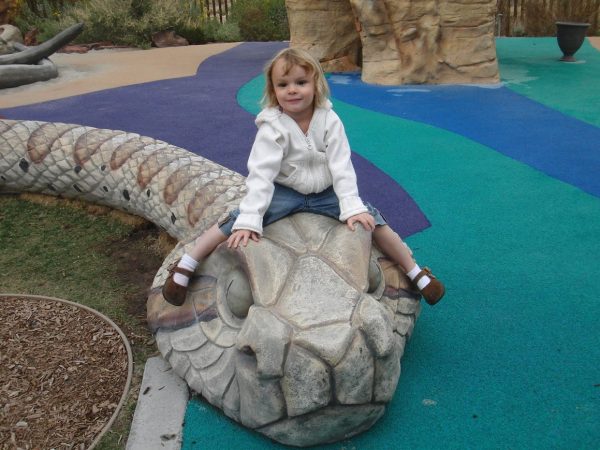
154 426
125 343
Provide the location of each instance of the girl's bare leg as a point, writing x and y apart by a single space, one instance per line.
207 242
394 248
175 288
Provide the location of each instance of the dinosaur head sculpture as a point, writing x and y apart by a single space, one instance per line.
298 336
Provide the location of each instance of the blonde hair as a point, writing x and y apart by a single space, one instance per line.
296 57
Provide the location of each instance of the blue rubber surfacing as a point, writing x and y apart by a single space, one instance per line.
495 117
510 359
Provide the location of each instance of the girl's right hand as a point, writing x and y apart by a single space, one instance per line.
242 236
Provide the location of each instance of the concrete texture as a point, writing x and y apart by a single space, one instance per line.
158 418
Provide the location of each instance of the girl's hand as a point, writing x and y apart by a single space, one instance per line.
365 219
242 236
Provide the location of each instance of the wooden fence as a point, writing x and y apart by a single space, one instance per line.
513 19
218 9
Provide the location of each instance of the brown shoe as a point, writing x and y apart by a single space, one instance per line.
434 291
172 292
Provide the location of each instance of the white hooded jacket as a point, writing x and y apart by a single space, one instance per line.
308 163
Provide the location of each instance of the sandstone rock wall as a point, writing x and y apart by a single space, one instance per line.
400 41
328 30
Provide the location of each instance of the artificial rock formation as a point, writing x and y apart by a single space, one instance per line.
400 41
9 34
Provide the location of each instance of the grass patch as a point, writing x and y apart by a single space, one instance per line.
68 250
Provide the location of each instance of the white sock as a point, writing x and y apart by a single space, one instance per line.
188 263
412 274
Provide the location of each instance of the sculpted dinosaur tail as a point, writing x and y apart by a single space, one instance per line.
177 190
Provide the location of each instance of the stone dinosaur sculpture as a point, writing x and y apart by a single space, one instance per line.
298 337
25 65
400 41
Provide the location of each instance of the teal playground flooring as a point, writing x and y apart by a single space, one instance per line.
511 358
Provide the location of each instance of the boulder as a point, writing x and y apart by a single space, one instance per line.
168 38
8 35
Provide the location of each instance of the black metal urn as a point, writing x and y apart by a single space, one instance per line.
570 36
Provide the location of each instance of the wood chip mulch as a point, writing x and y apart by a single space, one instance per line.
62 374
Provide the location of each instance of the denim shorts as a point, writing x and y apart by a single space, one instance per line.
287 201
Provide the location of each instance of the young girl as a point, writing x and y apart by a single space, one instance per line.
300 162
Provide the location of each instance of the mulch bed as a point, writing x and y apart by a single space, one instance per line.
62 374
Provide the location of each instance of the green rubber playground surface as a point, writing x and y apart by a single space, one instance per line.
529 67
510 359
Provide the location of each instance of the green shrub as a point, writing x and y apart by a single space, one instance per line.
214 31
139 8
261 20
43 15
132 22
108 20
123 22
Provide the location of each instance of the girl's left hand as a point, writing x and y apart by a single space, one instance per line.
365 219
242 237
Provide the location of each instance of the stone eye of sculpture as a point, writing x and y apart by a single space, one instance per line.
298 337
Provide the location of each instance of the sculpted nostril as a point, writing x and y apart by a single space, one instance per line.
247 350
267 337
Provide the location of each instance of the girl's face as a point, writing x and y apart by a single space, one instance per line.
295 91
